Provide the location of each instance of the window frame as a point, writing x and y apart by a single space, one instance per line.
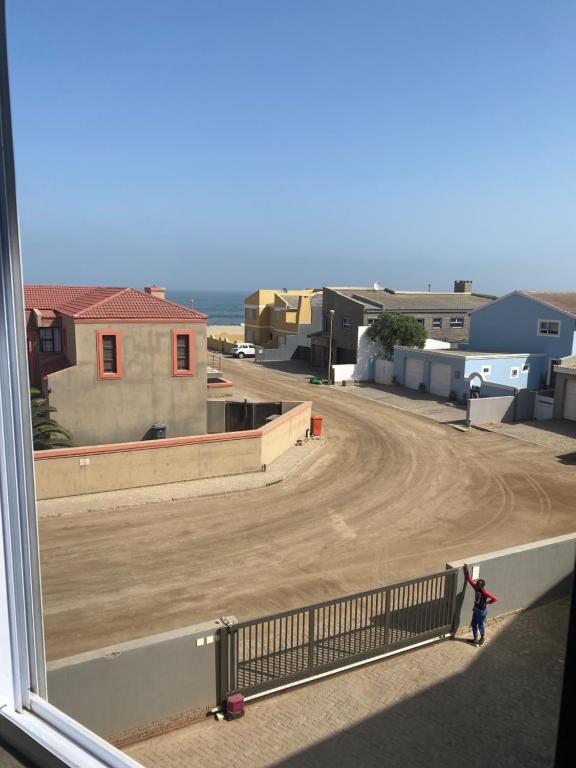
547 333
486 370
456 323
421 321
191 370
346 323
52 329
437 322
517 374
35 723
102 374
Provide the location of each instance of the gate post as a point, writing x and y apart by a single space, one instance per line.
224 682
453 600
311 638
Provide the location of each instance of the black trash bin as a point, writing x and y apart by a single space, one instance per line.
158 431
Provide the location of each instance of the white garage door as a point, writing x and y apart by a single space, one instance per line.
570 401
440 378
414 372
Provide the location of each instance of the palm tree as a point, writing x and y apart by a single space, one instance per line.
46 433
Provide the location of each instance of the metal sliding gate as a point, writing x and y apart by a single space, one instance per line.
292 646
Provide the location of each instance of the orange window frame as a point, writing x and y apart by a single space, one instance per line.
191 370
119 372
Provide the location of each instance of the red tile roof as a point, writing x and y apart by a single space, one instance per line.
97 303
51 296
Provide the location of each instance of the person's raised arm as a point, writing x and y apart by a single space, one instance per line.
468 578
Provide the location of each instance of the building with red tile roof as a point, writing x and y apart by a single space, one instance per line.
116 361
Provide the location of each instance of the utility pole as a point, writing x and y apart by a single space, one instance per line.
332 312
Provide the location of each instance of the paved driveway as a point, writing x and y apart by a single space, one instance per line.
418 710
421 403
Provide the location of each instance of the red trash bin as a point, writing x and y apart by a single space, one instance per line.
316 426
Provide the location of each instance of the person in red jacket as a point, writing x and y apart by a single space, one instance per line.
482 599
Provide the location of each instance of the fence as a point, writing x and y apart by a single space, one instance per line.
294 645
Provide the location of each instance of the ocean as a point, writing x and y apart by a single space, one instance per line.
222 307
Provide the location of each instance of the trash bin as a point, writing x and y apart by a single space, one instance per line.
316 426
158 431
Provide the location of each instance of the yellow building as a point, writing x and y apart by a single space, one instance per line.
272 315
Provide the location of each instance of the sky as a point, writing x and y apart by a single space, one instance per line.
296 143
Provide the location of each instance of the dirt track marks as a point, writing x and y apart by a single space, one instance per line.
390 495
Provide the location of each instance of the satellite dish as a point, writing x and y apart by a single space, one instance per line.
378 286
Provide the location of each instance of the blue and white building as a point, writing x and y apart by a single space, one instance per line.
515 343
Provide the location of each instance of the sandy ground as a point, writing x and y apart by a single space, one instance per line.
392 495
232 332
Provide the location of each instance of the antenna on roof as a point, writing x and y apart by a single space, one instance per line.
378 286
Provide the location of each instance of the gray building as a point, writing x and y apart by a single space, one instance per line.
445 316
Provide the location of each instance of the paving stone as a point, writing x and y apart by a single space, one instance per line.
447 704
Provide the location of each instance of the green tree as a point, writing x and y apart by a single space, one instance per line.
393 329
46 433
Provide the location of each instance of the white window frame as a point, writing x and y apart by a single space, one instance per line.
41 728
456 323
515 372
437 322
546 333
486 370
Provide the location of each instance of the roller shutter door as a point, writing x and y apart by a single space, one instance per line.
440 378
570 401
414 372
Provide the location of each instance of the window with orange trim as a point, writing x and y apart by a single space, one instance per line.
183 352
109 351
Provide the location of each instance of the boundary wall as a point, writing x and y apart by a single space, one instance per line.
136 689
521 577
93 469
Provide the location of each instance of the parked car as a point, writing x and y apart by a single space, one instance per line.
244 350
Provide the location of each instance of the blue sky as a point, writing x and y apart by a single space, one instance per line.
260 143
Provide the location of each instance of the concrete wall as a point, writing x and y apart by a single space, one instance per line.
384 371
121 410
93 469
367 355
511 325
135 689
216 416
490 410
521 577
284 431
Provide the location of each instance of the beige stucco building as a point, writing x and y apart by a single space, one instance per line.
114 362
270 315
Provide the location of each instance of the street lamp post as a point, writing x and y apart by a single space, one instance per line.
332 312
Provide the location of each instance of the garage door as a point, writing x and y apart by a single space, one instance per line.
440 378
414 372
570 401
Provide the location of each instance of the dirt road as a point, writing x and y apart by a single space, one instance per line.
390 495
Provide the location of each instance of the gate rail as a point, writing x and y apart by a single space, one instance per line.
271 651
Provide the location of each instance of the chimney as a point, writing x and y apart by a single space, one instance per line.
155 290
462 286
